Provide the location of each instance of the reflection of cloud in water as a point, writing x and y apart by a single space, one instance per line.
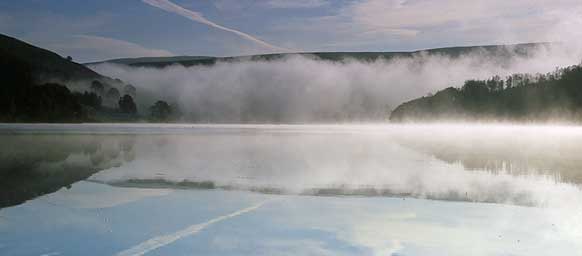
88 196
292 225
160 241
381 226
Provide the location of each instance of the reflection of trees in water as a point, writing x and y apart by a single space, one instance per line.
558 158
34 165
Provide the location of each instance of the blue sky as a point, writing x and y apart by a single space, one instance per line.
95 30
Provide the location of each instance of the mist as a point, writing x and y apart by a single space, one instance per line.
364 160
300 88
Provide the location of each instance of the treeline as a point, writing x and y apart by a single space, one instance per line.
555 96
23 99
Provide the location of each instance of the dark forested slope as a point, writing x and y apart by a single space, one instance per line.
32 86
42 63
556 96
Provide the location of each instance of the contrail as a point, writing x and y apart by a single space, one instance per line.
168 6
157 242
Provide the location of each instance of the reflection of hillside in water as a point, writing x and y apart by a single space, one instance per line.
533 152
34 165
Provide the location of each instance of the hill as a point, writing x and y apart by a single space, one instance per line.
556 96
44 64
37 85
502 51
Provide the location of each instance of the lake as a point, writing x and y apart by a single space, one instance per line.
351 189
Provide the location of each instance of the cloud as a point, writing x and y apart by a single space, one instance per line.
447 15
296 3
89 47
409 25
196 16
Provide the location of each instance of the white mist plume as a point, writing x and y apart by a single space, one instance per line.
302 89
195 16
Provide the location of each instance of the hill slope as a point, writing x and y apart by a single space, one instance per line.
555 96
35 85
43 63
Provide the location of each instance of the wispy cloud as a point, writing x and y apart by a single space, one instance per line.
196 16
498 17
296 3
89 47
419 24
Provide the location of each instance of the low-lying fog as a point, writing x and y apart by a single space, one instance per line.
302 89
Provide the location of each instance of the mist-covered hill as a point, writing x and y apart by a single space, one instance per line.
492 51
324 87
41 86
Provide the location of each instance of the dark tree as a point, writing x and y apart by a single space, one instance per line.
161 111
98 88
69 58
130 90
113 94
89 99
126 105
22 100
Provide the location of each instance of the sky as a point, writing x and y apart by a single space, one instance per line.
93 30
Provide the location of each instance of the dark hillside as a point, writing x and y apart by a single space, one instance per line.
36 84
44 64
555 96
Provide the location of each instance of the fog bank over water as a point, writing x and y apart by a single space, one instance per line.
303 89
509 162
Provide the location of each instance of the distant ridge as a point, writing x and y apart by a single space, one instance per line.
503 51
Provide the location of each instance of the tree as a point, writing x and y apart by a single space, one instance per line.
89 99
129 90
555 96
161 111
126 105
113 94
98 88
69 58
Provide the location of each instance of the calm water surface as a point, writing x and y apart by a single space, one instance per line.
138 189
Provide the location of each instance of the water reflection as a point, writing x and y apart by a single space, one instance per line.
525 165
175 190
33 165
516 150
